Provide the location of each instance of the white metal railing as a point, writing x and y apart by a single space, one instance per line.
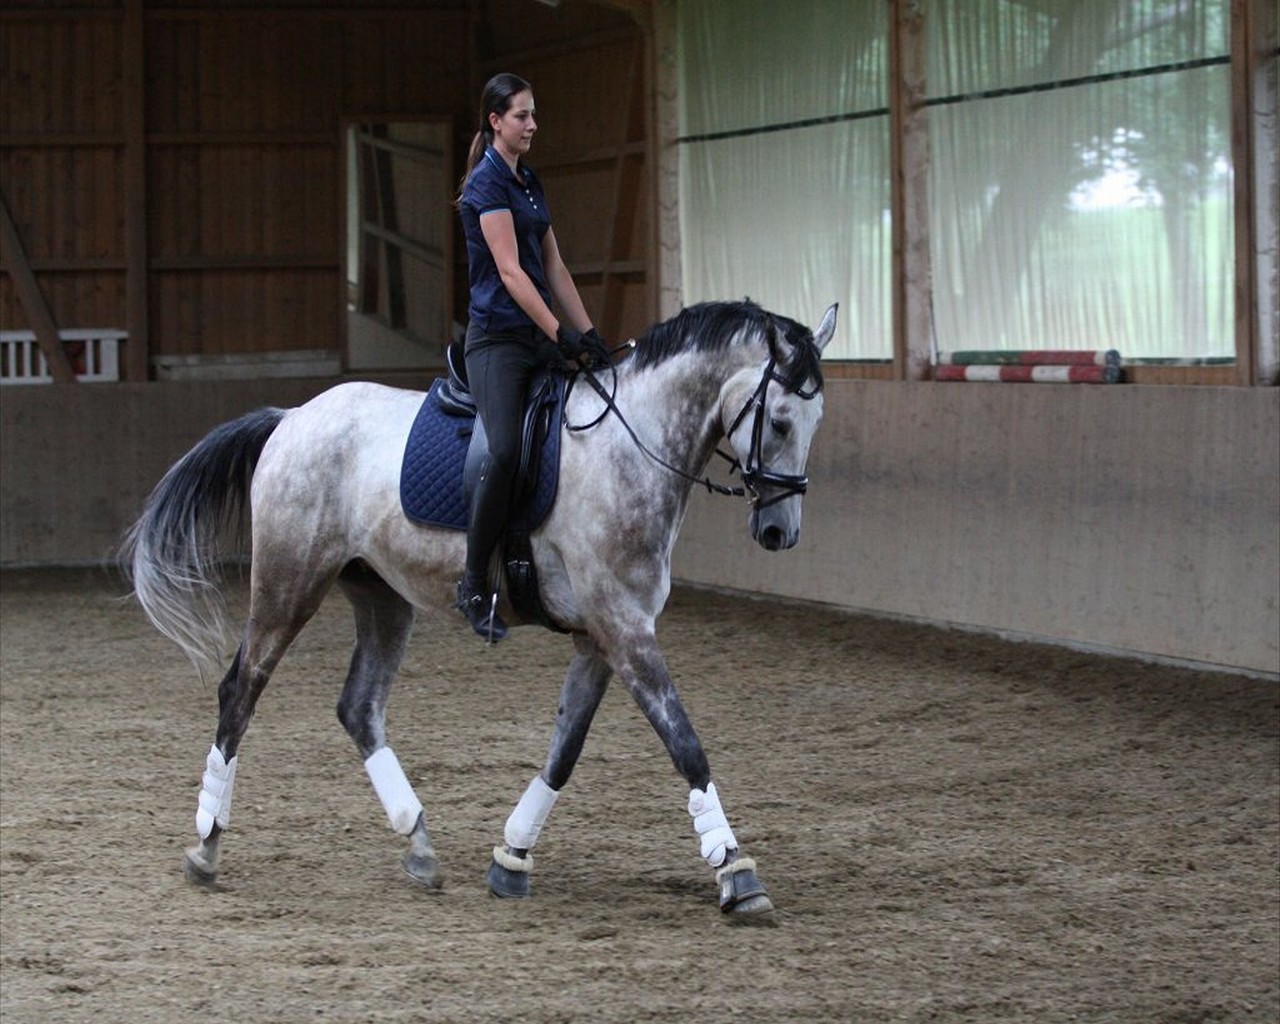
94 354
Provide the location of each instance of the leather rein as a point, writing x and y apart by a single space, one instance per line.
754 475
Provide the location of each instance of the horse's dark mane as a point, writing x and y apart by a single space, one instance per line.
708 326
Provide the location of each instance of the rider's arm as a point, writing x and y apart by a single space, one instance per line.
499 232
561 284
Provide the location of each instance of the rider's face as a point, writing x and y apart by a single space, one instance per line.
513 131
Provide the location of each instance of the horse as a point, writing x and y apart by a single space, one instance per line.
319 487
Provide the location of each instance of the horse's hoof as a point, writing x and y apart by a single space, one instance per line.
424 869
743 898
198 870
509 875
754 910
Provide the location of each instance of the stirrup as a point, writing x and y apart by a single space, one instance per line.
482 614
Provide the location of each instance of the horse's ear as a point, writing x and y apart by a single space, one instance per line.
827 329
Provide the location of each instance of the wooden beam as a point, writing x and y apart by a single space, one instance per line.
62 140
666 277
909 193
430 155
427 254
637 9
368 259
596 157
650 79
1266 175
1215 376
626 198
47 12
1253 155
219 11
860 370
1242 157
265 139
133 96
388 218
246 261
32 299
552 51
77 264
632 269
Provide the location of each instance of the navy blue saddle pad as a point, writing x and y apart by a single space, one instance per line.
431 474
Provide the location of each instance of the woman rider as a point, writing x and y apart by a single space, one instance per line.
515 272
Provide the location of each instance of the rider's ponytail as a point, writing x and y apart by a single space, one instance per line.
495 99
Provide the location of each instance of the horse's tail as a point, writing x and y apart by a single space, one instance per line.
171 554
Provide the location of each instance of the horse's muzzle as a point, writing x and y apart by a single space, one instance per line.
772 539
771 534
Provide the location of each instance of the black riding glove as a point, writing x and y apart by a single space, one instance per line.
587 349
569 341
598 354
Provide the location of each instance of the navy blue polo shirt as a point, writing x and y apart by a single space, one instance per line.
490 187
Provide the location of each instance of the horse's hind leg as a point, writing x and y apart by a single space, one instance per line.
383 623
237 698
257 657
213 812
584 686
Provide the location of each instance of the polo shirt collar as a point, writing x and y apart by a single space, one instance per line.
496 159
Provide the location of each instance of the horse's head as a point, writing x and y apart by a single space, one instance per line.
771 412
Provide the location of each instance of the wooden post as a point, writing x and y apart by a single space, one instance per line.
909 193
133 55
650 128
41 319
626 197
664 165
1253 154
388 218
369 274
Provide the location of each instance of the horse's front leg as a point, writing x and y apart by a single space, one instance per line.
584 686
644 671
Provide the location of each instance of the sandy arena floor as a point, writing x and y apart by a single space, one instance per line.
953 829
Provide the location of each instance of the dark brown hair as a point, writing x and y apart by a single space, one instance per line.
495 99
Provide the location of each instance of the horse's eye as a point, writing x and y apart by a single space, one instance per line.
780 427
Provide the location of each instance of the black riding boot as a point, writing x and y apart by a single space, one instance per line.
476 599
480 607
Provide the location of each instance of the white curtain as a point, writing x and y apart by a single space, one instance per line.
1080 170
1081 191
784 175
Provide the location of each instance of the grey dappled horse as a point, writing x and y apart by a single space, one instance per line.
323 485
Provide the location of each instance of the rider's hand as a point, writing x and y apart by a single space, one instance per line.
570 342
596 350
587 348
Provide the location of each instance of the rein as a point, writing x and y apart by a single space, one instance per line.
611 406
753 474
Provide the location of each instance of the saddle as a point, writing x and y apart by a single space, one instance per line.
445 454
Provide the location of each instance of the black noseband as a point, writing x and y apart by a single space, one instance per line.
754 475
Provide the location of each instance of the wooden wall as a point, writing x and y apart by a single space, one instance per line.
62 160
239 180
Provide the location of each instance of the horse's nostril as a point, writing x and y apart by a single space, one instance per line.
772 539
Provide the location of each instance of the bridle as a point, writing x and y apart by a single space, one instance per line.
754 474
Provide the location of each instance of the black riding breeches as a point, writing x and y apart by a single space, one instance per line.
500 368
